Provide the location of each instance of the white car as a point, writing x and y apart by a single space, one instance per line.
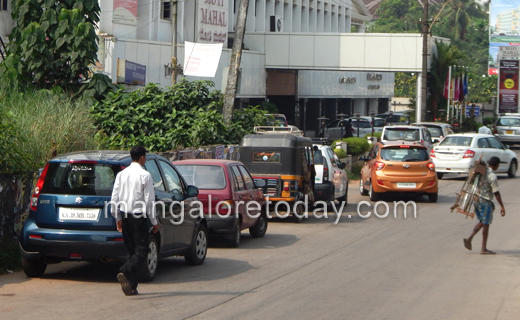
331 180
458 152
408 133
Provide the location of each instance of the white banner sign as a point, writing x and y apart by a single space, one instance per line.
508 53
200 59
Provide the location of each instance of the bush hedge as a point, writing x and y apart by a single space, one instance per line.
340 153
376 134
355 145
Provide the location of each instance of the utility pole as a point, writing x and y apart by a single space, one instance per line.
174 41
420 113
234 65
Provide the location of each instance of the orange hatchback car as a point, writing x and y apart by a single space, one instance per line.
398 167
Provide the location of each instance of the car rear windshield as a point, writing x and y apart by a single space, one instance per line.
266 157
404 154
318 157
379 123
80 178
435 131
203 176
513 122
456 141
407 134
361 124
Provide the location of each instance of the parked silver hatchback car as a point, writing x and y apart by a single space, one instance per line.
507 128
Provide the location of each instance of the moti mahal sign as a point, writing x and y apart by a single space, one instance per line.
212 21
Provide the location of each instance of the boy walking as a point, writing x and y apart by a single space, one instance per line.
484 207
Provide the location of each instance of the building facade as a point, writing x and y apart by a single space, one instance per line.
310 58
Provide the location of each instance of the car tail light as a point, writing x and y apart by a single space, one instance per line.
379 165
225 207
469 154
422 141
35 236
404 146
75 255
432 154
325 173
379 182
431 183
431 166
495 130
38 188
286 186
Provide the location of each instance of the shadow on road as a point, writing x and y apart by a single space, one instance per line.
269 241
170 270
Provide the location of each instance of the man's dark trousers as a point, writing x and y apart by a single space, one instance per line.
135 236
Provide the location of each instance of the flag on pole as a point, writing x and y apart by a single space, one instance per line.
465 84
456 89
461 89
447 86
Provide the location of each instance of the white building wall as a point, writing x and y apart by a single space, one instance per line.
6 24
340 51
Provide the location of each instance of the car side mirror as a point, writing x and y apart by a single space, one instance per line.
177 195
260 183
192 191
342 165
506 146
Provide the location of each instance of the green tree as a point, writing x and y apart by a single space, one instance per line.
53 42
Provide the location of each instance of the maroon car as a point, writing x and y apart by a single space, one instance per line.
231 201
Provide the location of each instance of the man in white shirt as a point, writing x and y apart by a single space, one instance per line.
485 130
134 192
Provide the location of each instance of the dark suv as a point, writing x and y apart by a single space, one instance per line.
70 216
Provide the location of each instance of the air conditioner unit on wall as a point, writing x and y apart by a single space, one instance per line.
276 23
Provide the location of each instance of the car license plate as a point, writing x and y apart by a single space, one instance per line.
449 156
406 184
79 214
510 132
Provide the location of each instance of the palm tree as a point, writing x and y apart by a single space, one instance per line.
459 14
446 55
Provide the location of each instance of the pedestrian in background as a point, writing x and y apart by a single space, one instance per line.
133 188
348 128
484 207
485 130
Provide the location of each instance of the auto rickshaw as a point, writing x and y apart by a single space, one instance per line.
285 162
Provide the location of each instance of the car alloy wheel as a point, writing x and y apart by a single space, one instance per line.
199 247
148 268
374 196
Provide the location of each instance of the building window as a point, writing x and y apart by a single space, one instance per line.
166 12
3 5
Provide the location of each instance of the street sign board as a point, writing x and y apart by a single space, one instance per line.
476 110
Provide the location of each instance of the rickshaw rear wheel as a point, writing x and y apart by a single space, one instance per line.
298 215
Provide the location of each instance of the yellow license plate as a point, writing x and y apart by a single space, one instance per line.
286 194
509 132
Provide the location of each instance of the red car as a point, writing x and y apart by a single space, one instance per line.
226 186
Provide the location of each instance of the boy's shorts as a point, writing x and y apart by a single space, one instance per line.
484 210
